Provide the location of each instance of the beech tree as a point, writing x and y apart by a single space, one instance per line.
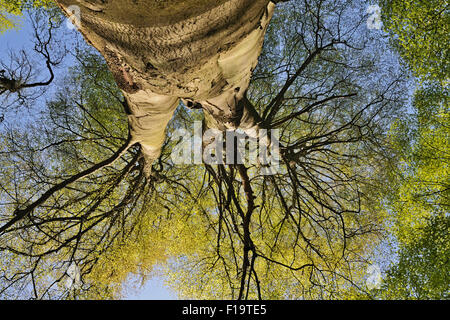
92 183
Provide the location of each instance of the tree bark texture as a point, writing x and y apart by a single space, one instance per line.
201 51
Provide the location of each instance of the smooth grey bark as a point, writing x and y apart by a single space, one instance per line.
201 51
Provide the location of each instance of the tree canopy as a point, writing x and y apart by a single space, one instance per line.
420 197
357 167
419 30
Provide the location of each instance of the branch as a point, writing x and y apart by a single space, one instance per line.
273 107
20 214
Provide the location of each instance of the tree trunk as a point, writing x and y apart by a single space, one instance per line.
201 51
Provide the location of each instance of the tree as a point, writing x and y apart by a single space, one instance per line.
419 30
207 63
228 230
419 199
423 178
22 79
13 8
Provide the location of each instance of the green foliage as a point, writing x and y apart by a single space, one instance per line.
420 29
313 225
11 10
419 202
423 268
